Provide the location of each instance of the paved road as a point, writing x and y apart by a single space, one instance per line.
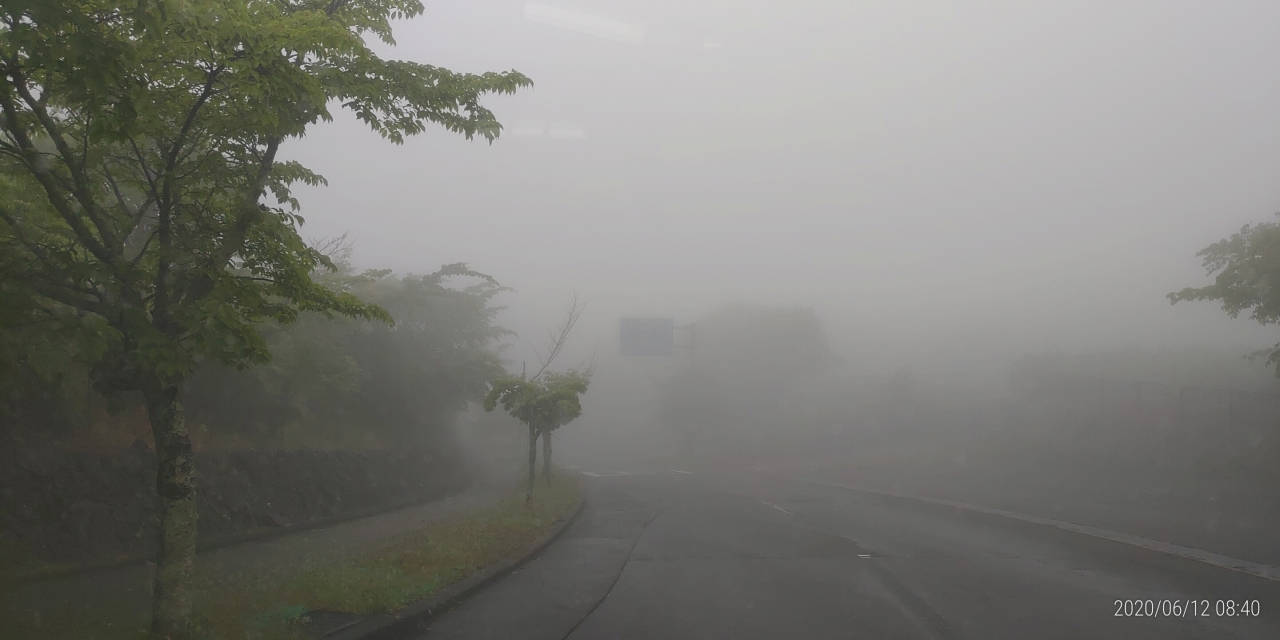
670 556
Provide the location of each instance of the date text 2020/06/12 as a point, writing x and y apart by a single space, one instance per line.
1187 608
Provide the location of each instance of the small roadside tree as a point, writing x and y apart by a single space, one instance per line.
1248 278
547 400
138 140
543 405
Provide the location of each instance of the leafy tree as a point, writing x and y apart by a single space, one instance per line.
543 404
547 400
1248 278
438 357
138 141
357 381
38 345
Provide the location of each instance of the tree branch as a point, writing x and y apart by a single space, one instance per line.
30 158
68 297
334 5
82 191
38 251
248 212
175 149
560 335
115 189
146 173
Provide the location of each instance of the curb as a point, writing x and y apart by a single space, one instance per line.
1248 567
416 615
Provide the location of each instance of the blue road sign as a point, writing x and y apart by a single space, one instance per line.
647 336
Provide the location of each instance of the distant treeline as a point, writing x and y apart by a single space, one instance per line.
765 378
1203 366
331 382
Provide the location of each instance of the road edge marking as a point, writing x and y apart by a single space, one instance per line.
1256 569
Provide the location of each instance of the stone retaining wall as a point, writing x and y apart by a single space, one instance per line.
61 507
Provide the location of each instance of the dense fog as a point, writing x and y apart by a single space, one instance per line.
578 319
949 188
995 178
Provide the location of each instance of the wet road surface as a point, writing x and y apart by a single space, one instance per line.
670 555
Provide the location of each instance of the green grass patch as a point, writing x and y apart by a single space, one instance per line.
269 606
69 621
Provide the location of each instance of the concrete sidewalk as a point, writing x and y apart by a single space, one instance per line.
128 588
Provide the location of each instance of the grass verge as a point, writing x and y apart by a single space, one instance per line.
268 606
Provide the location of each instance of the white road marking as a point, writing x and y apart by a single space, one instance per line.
770 504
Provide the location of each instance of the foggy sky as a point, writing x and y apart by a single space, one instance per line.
948 183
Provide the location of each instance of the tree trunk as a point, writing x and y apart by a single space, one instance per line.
533 460
546 456
175 484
